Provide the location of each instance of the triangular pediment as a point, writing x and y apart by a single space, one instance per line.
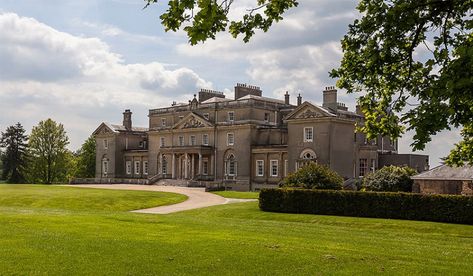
192 120
308 110
104 128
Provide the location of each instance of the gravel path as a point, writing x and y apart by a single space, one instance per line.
197 197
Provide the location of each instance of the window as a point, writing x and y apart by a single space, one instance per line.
128 167
206 116
373 165
181 141
231 116
231 165
308 134
105 167
192 140
363 166
285 167
163 142
205 139
163 122
181 117
105 144
145 167
230 139
205 166
274 167
266 117
259 167
137 167
164 165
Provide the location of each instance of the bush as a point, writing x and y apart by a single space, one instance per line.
390 179
314 176
440 208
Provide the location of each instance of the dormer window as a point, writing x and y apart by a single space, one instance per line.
231 116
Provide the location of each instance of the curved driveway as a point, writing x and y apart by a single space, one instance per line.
197 197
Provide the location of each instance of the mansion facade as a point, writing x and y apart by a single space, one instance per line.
246 143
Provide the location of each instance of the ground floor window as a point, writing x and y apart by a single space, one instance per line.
137 167
259 167
363 166
285 167
145 167
274 168
164 165
105 167
231 166
373 165
205 167
128 167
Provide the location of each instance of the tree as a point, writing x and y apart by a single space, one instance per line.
205 18
14 159
413 62
314 176
49 156
390 179
86 159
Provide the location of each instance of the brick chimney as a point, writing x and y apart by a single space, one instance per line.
299 99
286 98
330 98
243 89
127 119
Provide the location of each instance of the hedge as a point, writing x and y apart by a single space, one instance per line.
439 208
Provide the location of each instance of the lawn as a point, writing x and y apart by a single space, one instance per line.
235 239
241 195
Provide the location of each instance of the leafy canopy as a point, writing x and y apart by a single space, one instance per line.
412 62
314 176
389 179
85 166
203 19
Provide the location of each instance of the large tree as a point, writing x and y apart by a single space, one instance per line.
86 159
14 159
410 60
49 155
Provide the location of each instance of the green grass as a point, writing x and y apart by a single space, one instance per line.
235 239
242 195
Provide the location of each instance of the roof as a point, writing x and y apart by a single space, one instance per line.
117 128
215 100
445 172
249 96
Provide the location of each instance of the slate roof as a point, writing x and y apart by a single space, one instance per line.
444 172
117 128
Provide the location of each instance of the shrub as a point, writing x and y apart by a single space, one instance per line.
440 208
314 176
390 179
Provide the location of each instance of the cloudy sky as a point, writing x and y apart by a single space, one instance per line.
84 62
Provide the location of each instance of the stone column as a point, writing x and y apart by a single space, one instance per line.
213 171
186 161
173 166
192 167
200 164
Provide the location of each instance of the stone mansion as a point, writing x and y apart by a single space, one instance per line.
245 143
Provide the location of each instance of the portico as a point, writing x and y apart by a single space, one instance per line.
186 162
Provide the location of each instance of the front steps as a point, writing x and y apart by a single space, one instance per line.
180 183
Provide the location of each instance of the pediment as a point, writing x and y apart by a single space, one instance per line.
103 129
308 110
192 120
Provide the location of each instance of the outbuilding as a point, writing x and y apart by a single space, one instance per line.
445 180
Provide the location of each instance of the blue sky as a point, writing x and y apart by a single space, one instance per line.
84 62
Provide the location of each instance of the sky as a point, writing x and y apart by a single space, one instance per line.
84 62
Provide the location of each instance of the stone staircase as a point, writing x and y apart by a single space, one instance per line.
179 183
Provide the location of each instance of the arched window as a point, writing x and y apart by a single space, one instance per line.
307 156
231 165
104 166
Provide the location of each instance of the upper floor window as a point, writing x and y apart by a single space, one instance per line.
363 166
259 167
105 144
163 122
230 139
163 142
192 140
274 167
231 116
145 167
181 141
137 167
266 117
205 139
206 116
308 134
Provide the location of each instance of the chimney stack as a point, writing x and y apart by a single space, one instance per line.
243 89
127 119
299 100
330 98
286 98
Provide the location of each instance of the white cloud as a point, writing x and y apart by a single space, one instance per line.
48 73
